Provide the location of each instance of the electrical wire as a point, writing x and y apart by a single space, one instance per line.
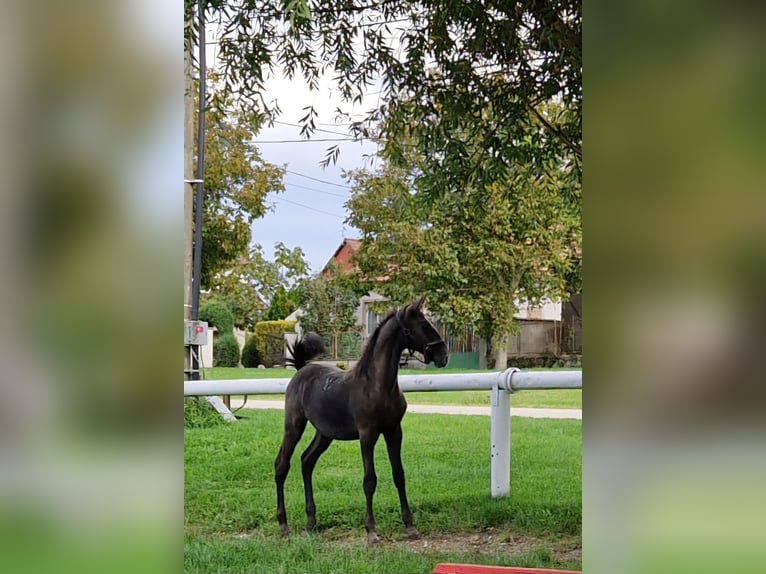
315 129
278 199
359 139
317 179
316 190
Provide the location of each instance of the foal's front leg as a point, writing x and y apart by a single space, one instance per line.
394 446
367 442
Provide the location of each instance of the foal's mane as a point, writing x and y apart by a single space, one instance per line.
365 361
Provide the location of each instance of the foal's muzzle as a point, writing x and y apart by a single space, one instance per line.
436 352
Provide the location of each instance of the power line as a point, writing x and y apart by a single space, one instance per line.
317 190
315 129
310 140
317 179
309 207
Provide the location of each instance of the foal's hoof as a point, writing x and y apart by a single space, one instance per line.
284 530
412 533
372 538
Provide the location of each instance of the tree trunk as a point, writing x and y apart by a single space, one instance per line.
188 190
501 341
501 352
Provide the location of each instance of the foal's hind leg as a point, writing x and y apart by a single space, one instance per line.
295 424
309 458
394 445
367 441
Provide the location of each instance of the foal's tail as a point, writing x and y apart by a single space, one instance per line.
309 347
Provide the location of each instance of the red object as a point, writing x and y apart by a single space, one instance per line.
447 568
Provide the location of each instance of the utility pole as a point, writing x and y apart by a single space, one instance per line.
188 192
194 333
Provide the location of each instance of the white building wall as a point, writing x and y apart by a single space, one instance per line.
547 311
206 351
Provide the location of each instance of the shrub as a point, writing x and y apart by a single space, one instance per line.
217 315
250 355
226 351
199 414
269 337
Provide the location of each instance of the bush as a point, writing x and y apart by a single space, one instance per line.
250 356
269 339
199 414
217 315
226 351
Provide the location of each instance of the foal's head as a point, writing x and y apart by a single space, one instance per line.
421 334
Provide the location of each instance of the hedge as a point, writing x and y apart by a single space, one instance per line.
226 351
218 315
250 356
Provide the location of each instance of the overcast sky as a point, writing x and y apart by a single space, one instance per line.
318 228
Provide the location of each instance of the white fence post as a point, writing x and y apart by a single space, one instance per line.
500 442
222 409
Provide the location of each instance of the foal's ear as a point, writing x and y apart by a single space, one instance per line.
418 303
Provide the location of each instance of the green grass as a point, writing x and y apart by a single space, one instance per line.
563 399
230 497
199 414
242 373
560 399
305 553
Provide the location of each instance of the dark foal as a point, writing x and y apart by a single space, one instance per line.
360 404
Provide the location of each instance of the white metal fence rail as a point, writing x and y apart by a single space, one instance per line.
500 384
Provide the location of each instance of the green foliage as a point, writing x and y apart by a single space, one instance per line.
217 314
283 302
328 306
481 114
199 414
448 68
225 351
250 356
269 339
475 102
476 250
251 282
237 181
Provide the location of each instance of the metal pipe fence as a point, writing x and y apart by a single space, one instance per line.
500 384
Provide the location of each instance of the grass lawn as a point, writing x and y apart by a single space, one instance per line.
229 510
564 398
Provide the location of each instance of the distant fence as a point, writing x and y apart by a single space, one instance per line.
571 325
342 346
500 384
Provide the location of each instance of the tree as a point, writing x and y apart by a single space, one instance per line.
481 114
237 180
328 307
439 63
283 302
250 282
476 250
